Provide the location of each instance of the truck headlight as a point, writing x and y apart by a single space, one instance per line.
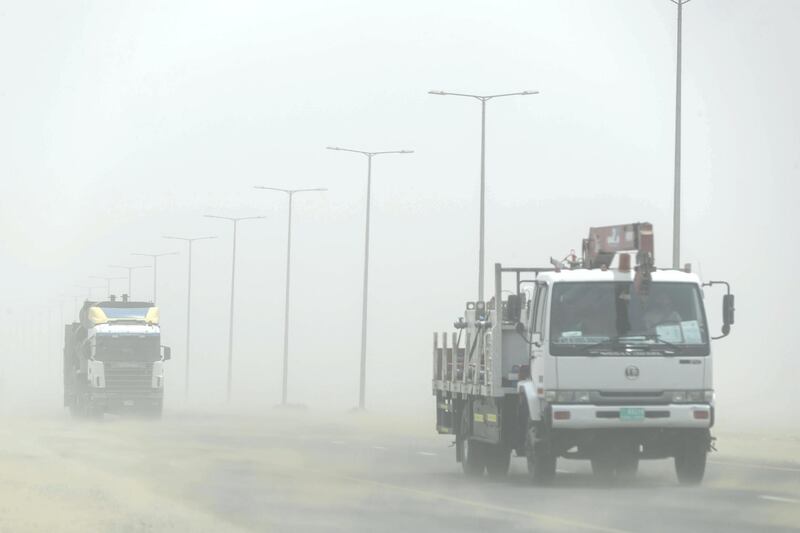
582 396
692 396
567 396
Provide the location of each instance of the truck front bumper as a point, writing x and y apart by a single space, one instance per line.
579 416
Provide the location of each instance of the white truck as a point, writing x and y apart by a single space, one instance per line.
114 360
583 361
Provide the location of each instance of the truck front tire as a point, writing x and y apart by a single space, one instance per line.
690 458
541 460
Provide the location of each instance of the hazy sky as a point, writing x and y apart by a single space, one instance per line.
123 121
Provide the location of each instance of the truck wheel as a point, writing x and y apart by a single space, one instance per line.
95 411
499 460
475 457
690 459
627 465
541 461
603 467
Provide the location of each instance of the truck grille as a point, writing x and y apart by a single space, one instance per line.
127 377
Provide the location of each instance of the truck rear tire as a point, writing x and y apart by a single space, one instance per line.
690 459
541 460
475 457
498 460
603 466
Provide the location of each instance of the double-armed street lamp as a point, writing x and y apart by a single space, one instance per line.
108 280
235 221
189 241
290 194
130 270
369 156
155 270
483 99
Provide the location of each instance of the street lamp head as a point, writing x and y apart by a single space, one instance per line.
529 92
439 93
332 148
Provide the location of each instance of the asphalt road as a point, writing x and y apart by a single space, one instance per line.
303 472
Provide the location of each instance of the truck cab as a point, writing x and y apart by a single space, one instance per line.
618 373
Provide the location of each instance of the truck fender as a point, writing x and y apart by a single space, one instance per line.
528 393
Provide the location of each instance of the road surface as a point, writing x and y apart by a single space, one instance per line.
302 472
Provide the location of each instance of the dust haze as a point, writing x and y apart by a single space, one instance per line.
124 122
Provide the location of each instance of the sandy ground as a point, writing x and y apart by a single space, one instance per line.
297 471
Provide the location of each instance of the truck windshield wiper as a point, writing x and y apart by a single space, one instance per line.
655 337
629 340
610 342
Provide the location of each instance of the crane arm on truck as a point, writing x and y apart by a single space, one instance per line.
605 242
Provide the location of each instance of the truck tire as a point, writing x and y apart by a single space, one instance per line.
498 460
627 465
690 458
541 460
603 466
475 457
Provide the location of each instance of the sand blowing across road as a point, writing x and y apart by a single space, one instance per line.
310 472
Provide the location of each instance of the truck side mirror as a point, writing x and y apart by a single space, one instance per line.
513 308
167 353
728 310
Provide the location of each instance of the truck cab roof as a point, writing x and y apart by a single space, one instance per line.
596 274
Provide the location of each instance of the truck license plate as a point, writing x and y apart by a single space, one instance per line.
631 414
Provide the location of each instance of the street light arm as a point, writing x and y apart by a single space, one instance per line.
287 191
443 93
234 219
523 93
188 239
156 255
339 149
394 152
130 267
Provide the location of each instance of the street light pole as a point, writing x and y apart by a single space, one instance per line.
676 203
290 193
235 221
188 240
130 270
108 280
483 99
369 156
155 270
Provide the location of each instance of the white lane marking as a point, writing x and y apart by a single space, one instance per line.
425 453
379 448
778 499
752 465
339 442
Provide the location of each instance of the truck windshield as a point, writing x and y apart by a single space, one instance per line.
141 348
123 313
597 317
